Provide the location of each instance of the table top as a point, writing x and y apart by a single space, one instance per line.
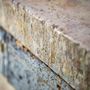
70 17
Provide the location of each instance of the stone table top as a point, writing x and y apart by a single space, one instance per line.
69 17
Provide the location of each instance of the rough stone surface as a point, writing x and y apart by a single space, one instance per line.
25 72
59 35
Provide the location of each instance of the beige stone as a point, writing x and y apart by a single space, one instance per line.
4 84
58 36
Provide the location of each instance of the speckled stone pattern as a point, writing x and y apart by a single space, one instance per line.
62 43
24 71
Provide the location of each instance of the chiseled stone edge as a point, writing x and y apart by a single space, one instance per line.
10 71
62 55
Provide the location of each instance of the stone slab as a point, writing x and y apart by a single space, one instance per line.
26 72
59 35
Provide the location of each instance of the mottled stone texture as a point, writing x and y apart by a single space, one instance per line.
24 71
65 51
